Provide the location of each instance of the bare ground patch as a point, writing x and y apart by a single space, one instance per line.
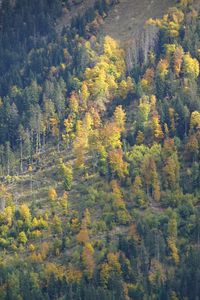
129 16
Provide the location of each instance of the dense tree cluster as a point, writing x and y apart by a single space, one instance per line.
120 217
38 70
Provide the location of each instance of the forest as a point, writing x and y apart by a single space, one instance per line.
99 164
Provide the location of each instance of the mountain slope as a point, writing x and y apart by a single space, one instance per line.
129 17
99 159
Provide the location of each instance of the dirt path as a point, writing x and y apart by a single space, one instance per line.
129 16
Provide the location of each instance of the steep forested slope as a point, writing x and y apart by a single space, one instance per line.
100 172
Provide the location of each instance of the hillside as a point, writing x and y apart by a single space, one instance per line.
99 150
129 17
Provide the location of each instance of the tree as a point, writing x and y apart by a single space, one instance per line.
151 178
171 172
157 276
110 269
102 80
137 191
88 260
190 66
52 194
156 127
84 94
140 138
144 109
64 201
178 59
25 213
123 89
22 136
66 173
192 148
118 166
110 135
73 103
117 194
172 119
172 235
87 217
162 68
195 121
73 275
83 236
69 130
54 126
49 112
120 117
57 228
59 97
118 204
22 238
147 82
9 157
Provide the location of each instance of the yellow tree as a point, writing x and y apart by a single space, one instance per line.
117 194
54 126
81 142
130 84
64 201
52 194
83 236
147 80
178 60
22 238
88 251
80 145
185 3
190 66
144 109
25 213
110 135
115 53
156 127
73 275
84 94
74 103
170 23
139 138
122 89
88 260
69 129
163 68
195 121
87 217
101 81
118 166
120 117
110 268
96 117
137 191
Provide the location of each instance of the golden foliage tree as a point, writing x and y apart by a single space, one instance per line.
120 117
118 166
